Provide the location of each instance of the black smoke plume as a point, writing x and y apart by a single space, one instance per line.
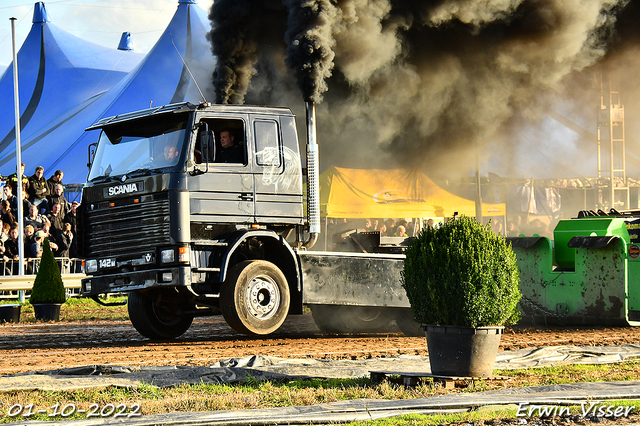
427 82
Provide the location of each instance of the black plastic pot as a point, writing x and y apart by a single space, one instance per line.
47 311
463 351
10 313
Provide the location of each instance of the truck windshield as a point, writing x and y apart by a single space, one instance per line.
123 150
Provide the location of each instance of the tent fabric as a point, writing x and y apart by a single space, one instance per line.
54 137
56 72
358 193
161 78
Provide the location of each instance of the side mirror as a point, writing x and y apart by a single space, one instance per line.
207 143
91 153
207 147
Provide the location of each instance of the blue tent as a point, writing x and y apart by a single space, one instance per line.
56 72
160 78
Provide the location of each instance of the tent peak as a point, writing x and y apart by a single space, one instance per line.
40 13
125 41
187 1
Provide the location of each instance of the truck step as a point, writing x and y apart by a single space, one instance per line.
209 243
205 269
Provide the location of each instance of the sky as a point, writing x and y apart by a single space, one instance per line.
407 89
98 21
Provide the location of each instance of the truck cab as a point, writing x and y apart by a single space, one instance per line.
185 234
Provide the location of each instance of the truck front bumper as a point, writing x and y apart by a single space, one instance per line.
136 280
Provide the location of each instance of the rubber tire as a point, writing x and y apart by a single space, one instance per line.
233 304
408 326
327 318
351 319
143 313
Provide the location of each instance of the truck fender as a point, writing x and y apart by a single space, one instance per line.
280 254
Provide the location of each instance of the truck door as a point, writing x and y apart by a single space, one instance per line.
222 192
277 170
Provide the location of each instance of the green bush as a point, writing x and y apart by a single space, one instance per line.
48 286
462 274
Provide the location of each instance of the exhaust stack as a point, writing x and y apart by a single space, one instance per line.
313 177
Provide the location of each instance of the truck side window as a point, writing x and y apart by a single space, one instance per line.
229 144
267 143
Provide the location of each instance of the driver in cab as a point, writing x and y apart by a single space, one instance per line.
170 154
231 151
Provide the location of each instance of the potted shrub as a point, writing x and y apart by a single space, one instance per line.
10 312
462 283
48 292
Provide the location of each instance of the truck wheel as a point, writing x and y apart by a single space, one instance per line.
351 319
366 319
406 324
254 299
157 314
327 318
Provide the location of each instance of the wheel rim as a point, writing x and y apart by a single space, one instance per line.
367 314
166 311
262 297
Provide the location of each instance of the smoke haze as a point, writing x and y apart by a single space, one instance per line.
431 83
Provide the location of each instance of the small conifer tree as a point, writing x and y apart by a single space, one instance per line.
48 286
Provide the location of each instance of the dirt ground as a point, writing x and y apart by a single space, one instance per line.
44 346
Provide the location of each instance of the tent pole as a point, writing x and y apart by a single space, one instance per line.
326 231
16 96
478 190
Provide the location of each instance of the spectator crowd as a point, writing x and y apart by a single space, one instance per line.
46 214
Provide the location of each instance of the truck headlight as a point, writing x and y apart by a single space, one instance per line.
91 266
167 256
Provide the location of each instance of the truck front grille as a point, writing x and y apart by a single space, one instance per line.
128 229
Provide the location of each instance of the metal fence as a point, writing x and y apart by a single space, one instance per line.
71 269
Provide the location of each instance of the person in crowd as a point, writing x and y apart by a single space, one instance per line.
368 225
4 231
54 180
34 218
512 230
6 213
10 196
4 261
64 241
497 226
26 205
59 198
13 181
11 249
383 230
390 226
29 232
231 151
401 231
38 189
48 234
71 219
56 219
2 249
36 245
410 227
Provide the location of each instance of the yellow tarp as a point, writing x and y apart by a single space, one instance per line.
356 193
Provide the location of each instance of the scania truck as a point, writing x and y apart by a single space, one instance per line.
185 235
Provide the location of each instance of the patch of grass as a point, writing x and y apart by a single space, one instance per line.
488 415
253 394
78 309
